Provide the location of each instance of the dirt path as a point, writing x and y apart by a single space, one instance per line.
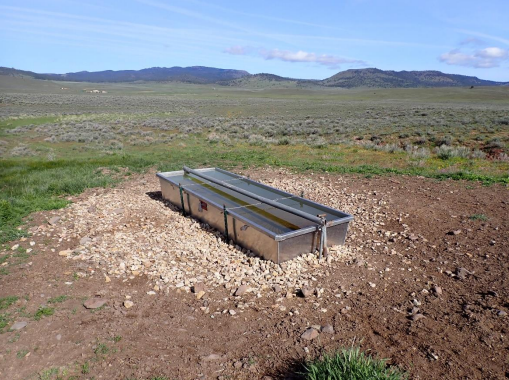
422 280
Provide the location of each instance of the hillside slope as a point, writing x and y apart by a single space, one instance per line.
390 79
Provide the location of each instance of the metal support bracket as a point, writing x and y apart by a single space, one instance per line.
182 199
225 213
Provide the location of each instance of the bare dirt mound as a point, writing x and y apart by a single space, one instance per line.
422 280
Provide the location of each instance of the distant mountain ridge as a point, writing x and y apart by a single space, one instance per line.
396 79
194 74
370 77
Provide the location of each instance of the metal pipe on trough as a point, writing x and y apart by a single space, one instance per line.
316 219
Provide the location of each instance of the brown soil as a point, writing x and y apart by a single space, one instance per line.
462 335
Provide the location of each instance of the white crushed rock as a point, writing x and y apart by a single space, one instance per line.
130 234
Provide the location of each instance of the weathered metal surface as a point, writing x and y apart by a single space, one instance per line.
275 233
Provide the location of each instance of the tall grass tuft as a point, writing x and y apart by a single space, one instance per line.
351 364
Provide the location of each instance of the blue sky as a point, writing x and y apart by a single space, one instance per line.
301 39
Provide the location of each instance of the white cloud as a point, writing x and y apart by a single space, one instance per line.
493 52
236 50
483 59
328 60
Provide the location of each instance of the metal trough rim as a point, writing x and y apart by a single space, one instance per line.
280 206
277 237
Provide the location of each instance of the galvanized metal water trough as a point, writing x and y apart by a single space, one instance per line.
274 224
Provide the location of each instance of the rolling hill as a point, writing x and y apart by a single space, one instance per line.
370 77
194 74
393 79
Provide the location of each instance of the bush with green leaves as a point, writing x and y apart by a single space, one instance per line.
446 152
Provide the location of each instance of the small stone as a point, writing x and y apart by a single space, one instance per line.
85 240
437 290
59 336
92 209
232 312
128 304
328 329
151 293
306 291
210 357
309 334
199 287
277 289
66 252
501 313
237 365
107 279
416 317
455 232
179 285
94 303
373 285
241 290
19 325
54 220
461 273
14 247
200 294
32 243
118 211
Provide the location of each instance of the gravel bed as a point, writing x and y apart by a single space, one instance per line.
128 232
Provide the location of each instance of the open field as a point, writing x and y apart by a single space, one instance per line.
411 165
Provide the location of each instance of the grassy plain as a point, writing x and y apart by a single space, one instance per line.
55 142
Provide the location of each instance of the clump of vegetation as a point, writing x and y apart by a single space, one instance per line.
351 364
481 217
446 152
5 302
101 349
43 311
58 299
22 353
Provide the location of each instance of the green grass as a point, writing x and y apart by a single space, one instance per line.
43 312
85 368
31 185
479 217
4 321
101 349
58 299
351 364
5 302
5 318
21 354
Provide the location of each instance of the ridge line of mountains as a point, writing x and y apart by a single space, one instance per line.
369 77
